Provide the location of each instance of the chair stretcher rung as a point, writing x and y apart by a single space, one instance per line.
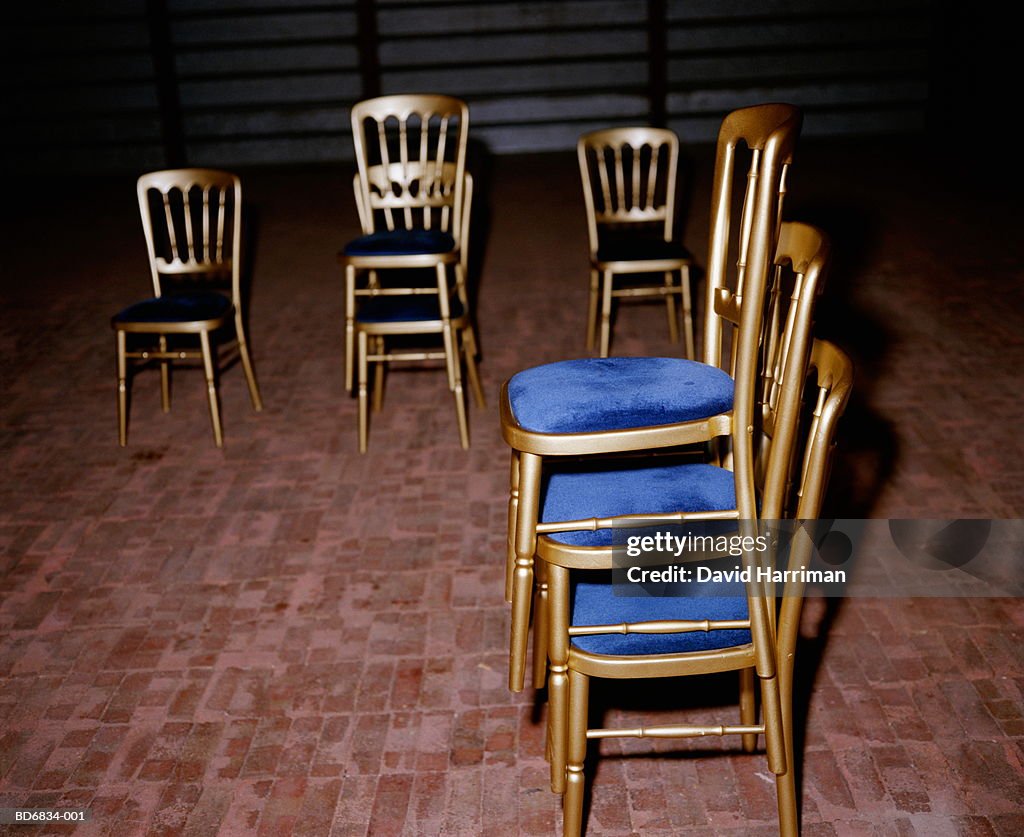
594 523
158 355
659 291
396 292
662 626
412 356
678 731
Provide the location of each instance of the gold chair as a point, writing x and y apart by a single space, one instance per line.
594 633
413 196
587 501
596 407
629 188
193 238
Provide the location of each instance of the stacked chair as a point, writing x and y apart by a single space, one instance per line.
742 404
414 199
192 220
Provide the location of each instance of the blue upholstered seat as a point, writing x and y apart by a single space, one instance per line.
595 394
625 246
581 491
412 242
597 604
406 308
179 308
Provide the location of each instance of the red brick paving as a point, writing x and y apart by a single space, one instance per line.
289 638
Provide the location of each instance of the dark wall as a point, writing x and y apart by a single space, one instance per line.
136 84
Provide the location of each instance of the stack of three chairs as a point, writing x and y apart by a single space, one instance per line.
741 407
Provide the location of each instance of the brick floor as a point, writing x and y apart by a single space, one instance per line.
289 638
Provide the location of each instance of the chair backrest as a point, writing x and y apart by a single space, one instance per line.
192 221
769 132
801 262
832 379
629 177
411 152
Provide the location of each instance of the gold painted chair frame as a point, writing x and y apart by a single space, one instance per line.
572 668
770 133
786 355
635 170
206 257
427 188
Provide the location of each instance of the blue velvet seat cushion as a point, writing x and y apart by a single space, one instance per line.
401 243
595 394
583 491
624 246
406 308
597 604
178 308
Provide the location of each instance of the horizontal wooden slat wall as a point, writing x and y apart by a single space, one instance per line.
83 95
855 66
265 80
536 74
134 84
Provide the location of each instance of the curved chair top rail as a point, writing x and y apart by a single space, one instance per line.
757 124
633 136
167 179
401 106
197 234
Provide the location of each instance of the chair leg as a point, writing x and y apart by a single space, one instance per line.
350 324
471 369
557 655
572 802
540 626
785 783
211 388
513 508
592 314
670 307
122 389
363 398
748 708
379 371
774 732
165 378
606 313
522 580
687 291
250 375
451 351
